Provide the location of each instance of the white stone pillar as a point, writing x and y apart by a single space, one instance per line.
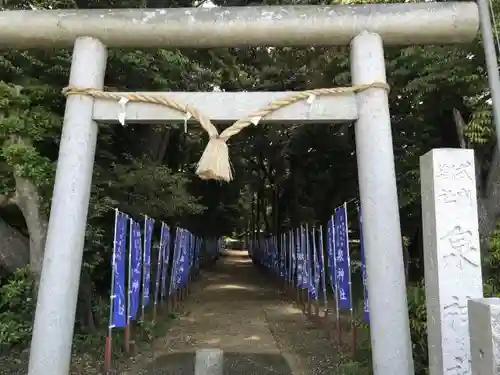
451 255
484 329
57 296
389 325
209 362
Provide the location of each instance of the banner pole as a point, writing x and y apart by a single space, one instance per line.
163 269
297 274
300 274
108 344
286 245
309 269
171 292
317 278
335 280
351 308
144 267
323 270
293 254
157 282
129 291
166 261
284 248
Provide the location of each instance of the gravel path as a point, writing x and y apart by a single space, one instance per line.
237 319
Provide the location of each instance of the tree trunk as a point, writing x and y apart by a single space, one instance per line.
84 308
16 251
29 201
488 195
14 248
489 203
157 141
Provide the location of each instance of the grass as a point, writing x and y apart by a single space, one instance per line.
88 349
361 363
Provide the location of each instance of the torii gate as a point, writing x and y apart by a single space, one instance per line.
365 27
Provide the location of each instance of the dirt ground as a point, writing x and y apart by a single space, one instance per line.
236 322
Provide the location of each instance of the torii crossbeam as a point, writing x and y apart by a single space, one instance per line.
365 27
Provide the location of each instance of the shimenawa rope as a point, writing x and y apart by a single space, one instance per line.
214 163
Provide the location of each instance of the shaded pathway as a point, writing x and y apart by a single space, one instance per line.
237 313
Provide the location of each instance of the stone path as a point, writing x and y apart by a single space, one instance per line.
236 322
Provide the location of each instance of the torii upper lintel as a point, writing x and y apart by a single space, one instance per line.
397 24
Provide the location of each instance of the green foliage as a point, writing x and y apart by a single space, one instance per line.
361 364
16 309
417 307
491 267
418 327
351 367
25 127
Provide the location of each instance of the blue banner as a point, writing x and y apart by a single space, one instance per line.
191 250
118 313
175 261
181 263
184 259
308 262
293 251
322 263
146 270
135 269
300 259
317 268
158 274
306 276
274 255
342 258
165 251
366 311
330 251
289 250
189 255
266 253
197 246
198 253
283 257
188 258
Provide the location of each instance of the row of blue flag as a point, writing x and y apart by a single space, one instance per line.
301 261
132 269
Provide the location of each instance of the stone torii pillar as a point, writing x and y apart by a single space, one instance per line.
389 324
57 297
392 24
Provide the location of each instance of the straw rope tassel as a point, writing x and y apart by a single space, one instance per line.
214 163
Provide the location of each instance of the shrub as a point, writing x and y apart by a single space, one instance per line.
17 307
418 327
